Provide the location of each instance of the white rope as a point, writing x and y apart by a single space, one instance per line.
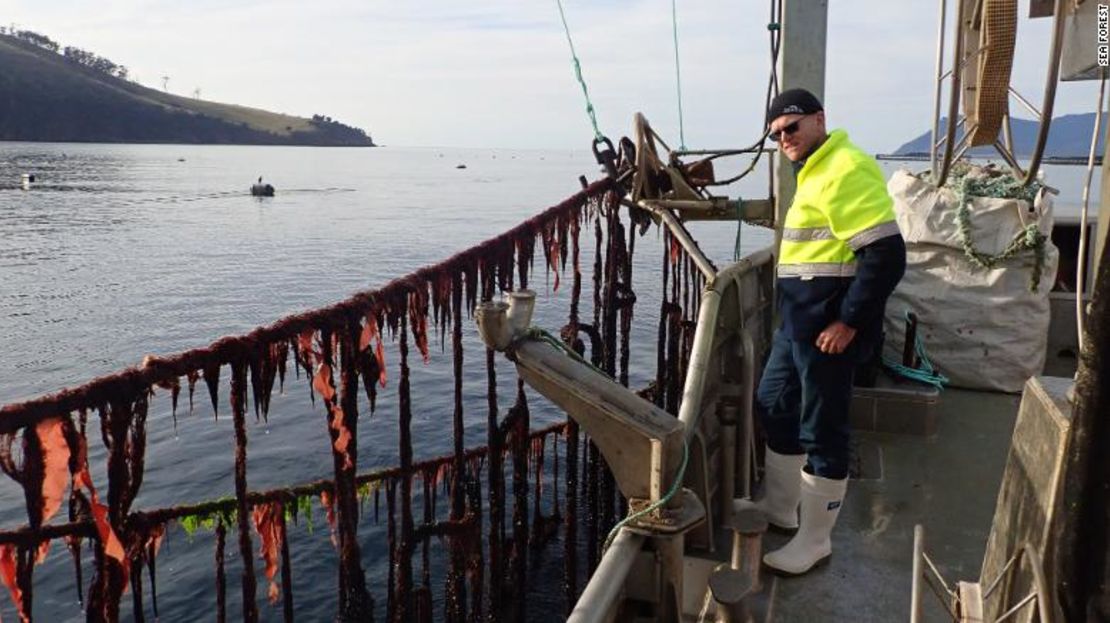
1081 269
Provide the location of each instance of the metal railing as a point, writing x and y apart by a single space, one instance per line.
733 332
968 604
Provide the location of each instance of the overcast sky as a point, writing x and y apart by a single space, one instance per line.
497 73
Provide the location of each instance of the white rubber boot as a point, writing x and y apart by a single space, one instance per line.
781 488
821 500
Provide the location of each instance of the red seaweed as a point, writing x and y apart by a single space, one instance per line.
8 574
266 522
345 340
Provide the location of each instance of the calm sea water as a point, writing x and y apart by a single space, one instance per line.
121 251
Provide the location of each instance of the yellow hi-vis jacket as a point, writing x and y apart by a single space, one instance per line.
840 206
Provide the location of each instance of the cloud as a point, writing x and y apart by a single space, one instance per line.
498 72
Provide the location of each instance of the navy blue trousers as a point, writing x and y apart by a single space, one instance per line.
803 400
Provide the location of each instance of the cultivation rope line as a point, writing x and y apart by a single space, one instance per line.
337 347
578 73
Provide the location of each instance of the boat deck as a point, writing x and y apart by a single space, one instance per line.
948 482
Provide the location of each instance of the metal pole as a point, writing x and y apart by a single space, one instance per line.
801 65
1049 91
607 582
747 413
726 412
705 265
689 411
953 98
918 573
1081 264
1104 199
936 98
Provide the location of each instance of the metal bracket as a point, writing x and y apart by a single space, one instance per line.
632 434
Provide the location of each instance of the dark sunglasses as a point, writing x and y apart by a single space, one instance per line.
787 130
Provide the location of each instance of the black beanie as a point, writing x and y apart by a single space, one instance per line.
793 102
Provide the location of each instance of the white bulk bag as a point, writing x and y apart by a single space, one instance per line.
983 328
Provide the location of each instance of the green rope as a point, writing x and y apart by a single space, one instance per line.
654 505
578 74
927 373
678 76
1004 186
536 333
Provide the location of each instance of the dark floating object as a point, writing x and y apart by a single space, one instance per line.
259 189
181 160
461 166
26 180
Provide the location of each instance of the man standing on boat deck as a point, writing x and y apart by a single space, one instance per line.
841 257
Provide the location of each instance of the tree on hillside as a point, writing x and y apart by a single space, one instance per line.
332 127
36 39
93 61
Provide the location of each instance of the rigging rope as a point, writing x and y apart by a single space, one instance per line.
927 373
578 74
536 333
678 77
675 486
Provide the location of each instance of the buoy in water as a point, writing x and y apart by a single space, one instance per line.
259 189
26 180
461 166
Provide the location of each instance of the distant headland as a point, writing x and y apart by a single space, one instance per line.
51 93
1069 140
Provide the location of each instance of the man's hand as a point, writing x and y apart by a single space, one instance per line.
835 338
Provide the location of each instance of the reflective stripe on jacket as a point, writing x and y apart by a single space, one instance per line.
841 205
